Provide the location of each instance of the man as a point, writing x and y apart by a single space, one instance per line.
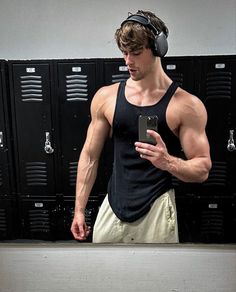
140 205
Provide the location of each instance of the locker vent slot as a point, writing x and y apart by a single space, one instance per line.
31 88
119 77
36 174
177 77
3 223
77 88
218 174
219 85
39 220
212 222
72 173
1 178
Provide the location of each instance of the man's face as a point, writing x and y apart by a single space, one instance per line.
139 63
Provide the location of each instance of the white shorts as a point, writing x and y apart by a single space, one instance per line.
159 225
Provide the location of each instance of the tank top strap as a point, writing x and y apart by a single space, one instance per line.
170 92
121 91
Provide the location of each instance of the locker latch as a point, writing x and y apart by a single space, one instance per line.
1 139
48 147
231 146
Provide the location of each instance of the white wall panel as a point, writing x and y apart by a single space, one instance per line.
31 29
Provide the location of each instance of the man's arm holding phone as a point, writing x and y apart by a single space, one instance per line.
192 122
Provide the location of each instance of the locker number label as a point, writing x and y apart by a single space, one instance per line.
30 70
38 205
76 69
123 68
171 67
220 66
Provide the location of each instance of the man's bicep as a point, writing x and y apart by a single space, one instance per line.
97 133
194 142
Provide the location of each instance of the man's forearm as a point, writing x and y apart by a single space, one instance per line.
86 176
192 170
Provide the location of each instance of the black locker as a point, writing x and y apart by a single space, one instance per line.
215 201
31 96
115 71
39 218
215 219
217 79
76 86
8 208
6 169
9 218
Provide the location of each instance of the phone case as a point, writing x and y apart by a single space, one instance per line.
147 123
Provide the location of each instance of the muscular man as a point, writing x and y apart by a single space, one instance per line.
140 205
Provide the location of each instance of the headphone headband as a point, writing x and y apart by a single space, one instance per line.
142 19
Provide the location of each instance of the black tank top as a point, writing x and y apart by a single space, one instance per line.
135 183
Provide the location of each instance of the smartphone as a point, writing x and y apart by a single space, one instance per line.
147 123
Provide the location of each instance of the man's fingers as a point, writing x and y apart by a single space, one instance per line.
156 136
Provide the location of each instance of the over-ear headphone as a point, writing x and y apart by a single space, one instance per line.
160 46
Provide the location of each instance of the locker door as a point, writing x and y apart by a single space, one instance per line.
76 83
5 188
215 203
33 128
218 92
115 71
8 211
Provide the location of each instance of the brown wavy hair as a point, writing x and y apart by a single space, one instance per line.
133 36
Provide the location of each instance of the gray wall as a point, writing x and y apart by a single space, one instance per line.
120 268
31 29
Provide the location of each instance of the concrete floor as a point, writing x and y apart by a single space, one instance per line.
76 267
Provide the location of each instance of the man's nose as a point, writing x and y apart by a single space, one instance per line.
128 59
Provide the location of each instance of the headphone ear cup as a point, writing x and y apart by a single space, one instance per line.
160 45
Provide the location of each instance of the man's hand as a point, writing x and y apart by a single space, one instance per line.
79 228
156 154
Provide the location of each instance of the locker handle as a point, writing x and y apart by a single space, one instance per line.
1 140
48 147
231 145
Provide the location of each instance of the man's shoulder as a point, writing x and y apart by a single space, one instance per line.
103 103
186 98
108 90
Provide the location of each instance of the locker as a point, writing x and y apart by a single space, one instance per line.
76 86
217 79
38 218
216 220
8 207
115 71
6 158
186 214
31 97
9 222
